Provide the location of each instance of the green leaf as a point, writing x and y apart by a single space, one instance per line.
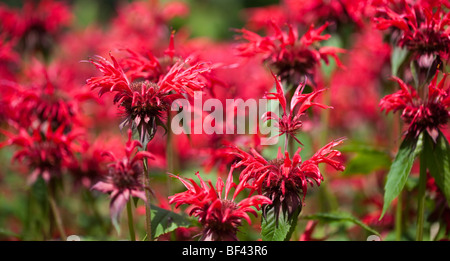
398 57
9 233
340 217
367 159
281 230
414 68
438 161
116 224
400 169
165 221
135 201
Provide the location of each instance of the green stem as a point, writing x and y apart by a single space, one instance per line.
130 221
329 201
398 218
56 214
291 146
396 131
421 198
148 213
93 207
170 153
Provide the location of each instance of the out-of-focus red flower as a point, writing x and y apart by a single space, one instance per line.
135 21
258 17
283 179
423 27
219 216
231 77
174 9
372 218
124 177
91 165
46 152
219 152
288 55
306 12
37 24
368 58
421 113
9 59
144 103
7 54
290 122
46 94
309 230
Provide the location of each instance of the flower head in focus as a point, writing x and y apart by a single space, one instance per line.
284 180
146 90
288 55
219 216
290 122
124 177
306 12
423 28
421 113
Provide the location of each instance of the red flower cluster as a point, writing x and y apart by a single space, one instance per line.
56 116
290 56
422 27
284 180
422 114
44 109
51 96
145 87
37 25
45 151
219 216
136 20
308 12
124 177
290 122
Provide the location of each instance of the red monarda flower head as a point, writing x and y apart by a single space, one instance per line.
124 177
308 12
144 102
134 20
421 113
423 27
91 164
8 57
37 25
289 56
219 216
50 93
290 122
284 180
46 152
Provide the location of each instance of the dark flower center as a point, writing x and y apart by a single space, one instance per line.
218 230
152 105
430 116
127 178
